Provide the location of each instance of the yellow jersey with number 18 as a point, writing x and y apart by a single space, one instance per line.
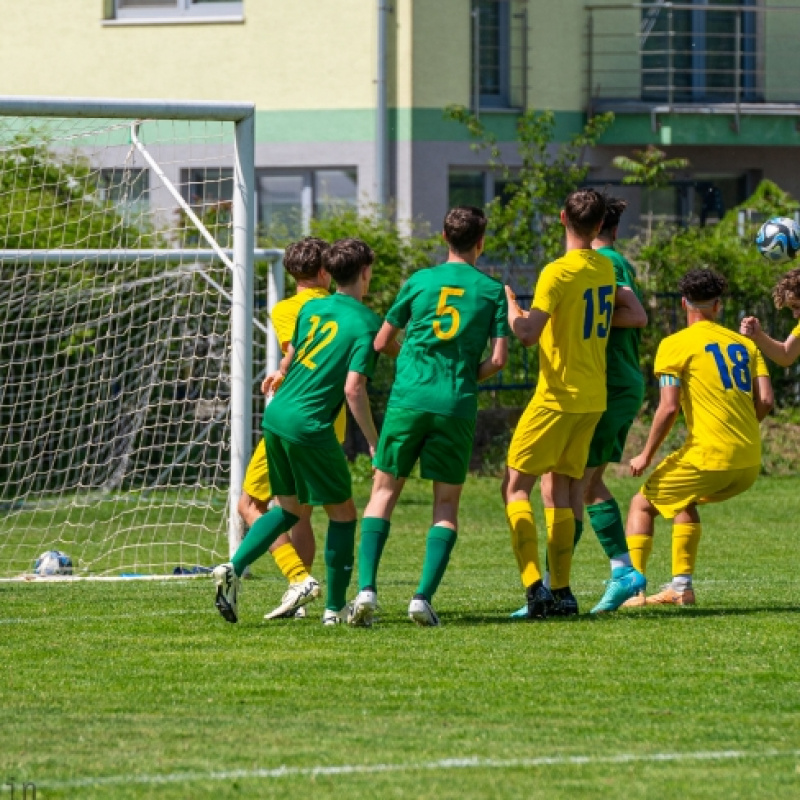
577 291
716 369
796 331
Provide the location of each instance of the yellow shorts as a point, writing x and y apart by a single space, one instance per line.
676 484
548 440
256 478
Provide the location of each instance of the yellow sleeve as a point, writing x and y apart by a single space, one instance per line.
796 331
284 319
670 360
549 289
760 365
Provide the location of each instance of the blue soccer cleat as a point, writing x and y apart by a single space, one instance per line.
626 582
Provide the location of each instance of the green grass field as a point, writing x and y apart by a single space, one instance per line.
131 690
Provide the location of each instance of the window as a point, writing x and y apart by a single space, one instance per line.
699 55
475 187
499 30
169 10
288 199
127 190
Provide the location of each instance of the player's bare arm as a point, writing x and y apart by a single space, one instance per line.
667 412
527 325
496 361
782 353
763 396
272 382
386 341
628 311
355 390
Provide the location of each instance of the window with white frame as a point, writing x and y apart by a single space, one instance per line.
289 198
177 9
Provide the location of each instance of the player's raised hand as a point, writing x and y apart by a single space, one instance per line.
639 464
272 382
750 326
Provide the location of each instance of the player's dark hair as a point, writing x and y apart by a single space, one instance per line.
345 259
303 259
464 227
702 285
614 208
585 210
787 289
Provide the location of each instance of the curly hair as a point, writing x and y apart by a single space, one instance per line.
345 259
702 285
303 259
464 227
614 208
787 290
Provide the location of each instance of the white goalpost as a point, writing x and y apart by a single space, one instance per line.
127 331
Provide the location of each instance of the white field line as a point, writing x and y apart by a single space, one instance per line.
473 762
99 617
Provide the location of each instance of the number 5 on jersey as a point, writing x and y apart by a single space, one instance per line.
445 310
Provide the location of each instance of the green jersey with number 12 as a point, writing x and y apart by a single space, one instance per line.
333 336
449 312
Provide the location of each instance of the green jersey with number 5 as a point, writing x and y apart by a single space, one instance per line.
333 336
449 312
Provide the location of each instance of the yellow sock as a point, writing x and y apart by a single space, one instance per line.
560 544
289 563
524 541
640 547
685 539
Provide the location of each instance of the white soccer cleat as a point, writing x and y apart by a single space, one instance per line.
361 612
227 600
295 597
421 612
332 618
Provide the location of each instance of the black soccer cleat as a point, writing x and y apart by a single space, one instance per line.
566 604
540 601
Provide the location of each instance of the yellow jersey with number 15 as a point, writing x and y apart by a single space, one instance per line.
716 369
577 291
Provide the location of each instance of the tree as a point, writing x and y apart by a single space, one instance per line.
524 226
649 167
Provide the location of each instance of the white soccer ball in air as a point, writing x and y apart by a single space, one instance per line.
53 562
779 239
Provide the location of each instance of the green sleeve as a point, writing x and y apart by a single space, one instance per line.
400 312
500 322
297 325
363 356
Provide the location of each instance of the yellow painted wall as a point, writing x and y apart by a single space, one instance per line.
288 54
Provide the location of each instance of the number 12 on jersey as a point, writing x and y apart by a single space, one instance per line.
604 309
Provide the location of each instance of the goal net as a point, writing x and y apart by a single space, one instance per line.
126 333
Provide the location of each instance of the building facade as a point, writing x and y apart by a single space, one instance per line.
350 93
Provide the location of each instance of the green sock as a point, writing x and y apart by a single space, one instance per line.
578 534
440 544
374 533
262 535
339 552
606 519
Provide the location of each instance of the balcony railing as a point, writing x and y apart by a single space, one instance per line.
665 57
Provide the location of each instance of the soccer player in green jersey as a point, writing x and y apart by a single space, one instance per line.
449 313
330 358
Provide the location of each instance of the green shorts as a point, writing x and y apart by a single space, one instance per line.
608 442
443 445
316 476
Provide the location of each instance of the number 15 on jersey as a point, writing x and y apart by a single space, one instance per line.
598 308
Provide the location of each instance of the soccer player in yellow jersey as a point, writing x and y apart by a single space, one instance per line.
293 554
786 295
720 380
570 318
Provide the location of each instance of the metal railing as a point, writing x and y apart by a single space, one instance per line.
665 57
